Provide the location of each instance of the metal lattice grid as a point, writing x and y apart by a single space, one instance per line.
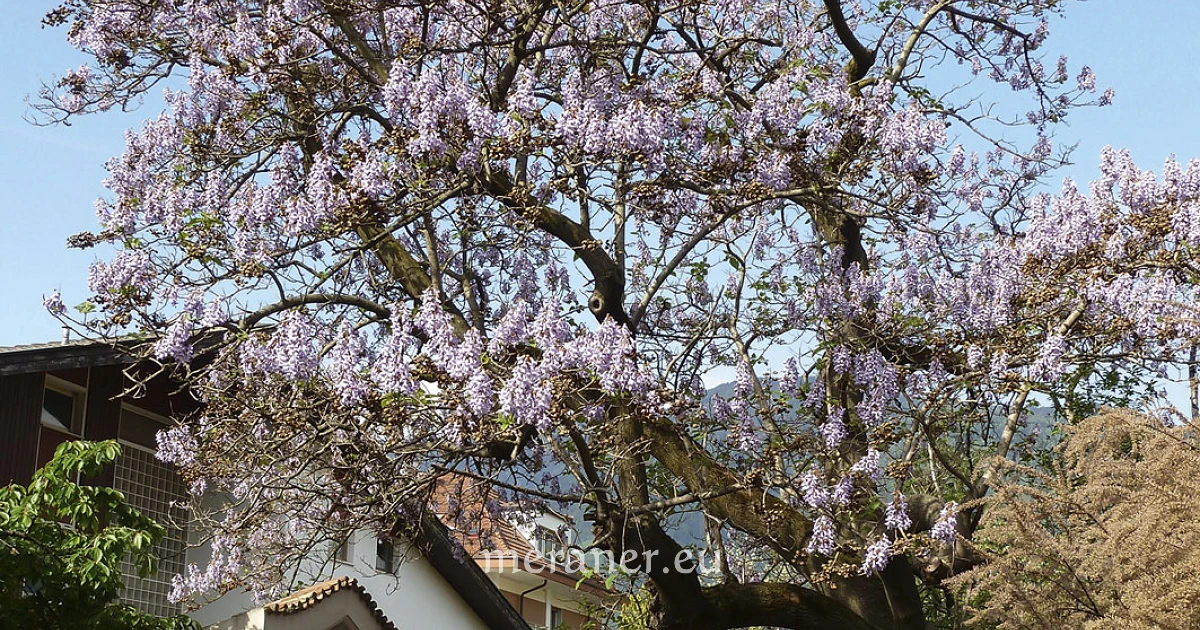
156 491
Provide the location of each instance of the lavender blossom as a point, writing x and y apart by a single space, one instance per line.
479 395
814 491
345 368
843 491
896 514
294 355
175 342
177 446
868 465
790 378
1048 366
877 556
53 303
945 529
823 540
512 328
834 430
526 396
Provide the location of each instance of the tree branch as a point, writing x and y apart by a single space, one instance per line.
608 295
861 57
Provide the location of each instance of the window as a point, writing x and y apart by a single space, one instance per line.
62 405
548 543
342 553
385 555
556 617
158 492
140 427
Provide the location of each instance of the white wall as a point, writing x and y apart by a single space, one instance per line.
415 598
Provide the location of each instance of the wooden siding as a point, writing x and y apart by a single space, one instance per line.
48 442
162 395
20 421
25 444
103 418
78 376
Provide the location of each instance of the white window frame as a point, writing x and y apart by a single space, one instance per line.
165 421
78 410
393 563
344 553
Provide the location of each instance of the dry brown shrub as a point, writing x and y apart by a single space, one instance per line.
1109 540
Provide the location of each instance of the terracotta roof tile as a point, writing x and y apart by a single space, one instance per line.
493 536
306 598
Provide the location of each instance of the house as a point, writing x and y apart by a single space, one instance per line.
338 604
526 551
57 392
417 582
52 393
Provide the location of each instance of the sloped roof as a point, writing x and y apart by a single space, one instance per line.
484 531
306 598
451 560
57 355
487 536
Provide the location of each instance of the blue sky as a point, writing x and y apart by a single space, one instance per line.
50 177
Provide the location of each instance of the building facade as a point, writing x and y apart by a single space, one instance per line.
53 393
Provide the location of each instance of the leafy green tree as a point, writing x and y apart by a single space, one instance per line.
61 545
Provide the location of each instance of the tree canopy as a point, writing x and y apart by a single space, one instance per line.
512 239
61 547
1106 540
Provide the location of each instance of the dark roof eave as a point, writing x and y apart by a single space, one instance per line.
456 566
61 356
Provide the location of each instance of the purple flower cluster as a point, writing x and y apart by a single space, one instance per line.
1049 366
843 491
868 465
53 303
526 395
896 514
833 430
225 563
129 270
945 529
877 556
479 395
789 379
289 351
605 354
390 371
175 341
512 329
824 539
177 446
345 366
880 385
814 491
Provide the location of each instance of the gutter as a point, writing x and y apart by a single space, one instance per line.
521 605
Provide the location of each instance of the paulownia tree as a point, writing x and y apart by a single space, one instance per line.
512 238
